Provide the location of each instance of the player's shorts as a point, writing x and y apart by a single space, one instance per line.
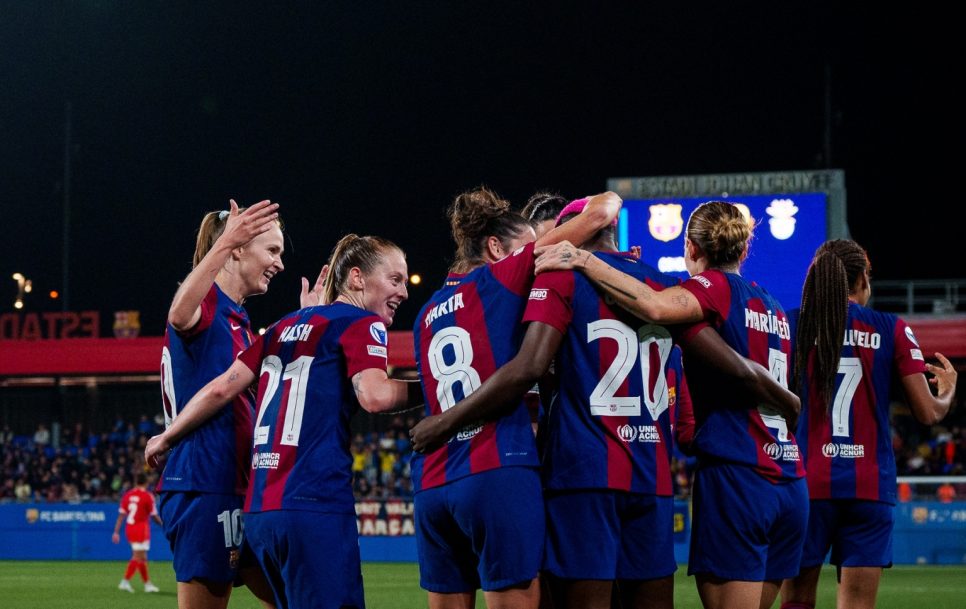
311 559
858 532
746 527
482 531
605 534
205 532
138 533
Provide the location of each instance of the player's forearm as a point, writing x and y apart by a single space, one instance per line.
185 307
208 401
630 294
599 213
498 396
502 392
377 393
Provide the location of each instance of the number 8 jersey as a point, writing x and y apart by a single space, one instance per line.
467 330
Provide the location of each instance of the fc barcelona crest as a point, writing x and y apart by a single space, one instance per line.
665 221
127 324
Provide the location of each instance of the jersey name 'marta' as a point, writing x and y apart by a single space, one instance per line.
754 324
610 423
847 444
300 447
467 330
214 457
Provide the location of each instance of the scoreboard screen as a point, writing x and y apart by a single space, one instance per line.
789 227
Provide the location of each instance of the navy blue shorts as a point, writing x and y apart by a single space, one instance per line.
482 531
206 534
311 559
608 535
746 527
858 532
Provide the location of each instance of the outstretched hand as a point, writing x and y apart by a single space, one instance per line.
242 227
315 296
563 256
944 379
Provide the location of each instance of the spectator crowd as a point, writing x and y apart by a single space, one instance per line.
96 465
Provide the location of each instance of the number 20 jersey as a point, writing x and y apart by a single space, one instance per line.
609 426
467 330
848 445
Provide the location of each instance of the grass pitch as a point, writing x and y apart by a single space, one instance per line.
82 585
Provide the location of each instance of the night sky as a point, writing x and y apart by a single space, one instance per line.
369 117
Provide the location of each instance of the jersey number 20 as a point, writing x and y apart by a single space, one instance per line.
630 344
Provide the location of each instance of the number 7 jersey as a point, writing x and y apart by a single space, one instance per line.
467 330
848 444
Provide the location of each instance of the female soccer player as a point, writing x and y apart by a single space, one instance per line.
314 366
136 511
844 430
204 479
607 446
478 505
749 493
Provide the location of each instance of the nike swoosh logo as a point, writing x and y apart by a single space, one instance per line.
234 327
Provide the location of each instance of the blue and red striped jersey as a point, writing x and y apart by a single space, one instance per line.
300 449
214 457
848 445
610 424
754 324
467 330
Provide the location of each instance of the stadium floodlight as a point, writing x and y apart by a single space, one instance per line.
24 286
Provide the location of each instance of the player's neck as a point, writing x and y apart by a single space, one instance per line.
230 283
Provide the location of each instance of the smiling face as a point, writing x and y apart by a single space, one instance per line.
384 289
260 261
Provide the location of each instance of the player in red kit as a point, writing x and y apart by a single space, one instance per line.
137 509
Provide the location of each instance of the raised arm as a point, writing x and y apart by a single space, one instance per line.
710 350
204 405
600 212
930 409
240 228
498 394
669 306
377 393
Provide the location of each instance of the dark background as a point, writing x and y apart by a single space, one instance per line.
369 117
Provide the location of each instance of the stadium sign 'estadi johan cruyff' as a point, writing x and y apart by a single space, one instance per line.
50 325
55 325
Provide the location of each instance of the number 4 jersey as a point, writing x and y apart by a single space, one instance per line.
305 362
729 429
848 446
609 426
